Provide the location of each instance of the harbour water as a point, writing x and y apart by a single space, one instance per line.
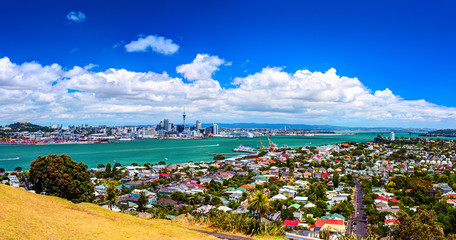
171 151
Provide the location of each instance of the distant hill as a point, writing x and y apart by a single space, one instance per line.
25 215
25 126
441 133
279 126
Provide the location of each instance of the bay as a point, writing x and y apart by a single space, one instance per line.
171 151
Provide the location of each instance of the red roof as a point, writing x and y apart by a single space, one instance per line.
163 175
381 199
226 173
393 199
391 221
285 155
325 175
291 223
312 226
196 184
320 222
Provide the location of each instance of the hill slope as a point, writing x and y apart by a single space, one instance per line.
25 215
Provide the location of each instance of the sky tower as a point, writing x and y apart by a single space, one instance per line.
183 116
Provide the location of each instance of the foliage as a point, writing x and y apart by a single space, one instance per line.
317 191
178 196
142 202
111 193
219 157
62 177
336 179
421 226
260 204
243 223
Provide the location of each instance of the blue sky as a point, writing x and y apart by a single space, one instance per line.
404 46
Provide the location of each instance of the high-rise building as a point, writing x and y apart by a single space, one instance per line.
166 125
215 129
393 136
198 125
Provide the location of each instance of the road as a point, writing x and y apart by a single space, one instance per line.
26 182
359 217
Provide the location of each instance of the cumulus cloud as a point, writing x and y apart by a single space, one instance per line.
76 16
153 42
202 67
33 92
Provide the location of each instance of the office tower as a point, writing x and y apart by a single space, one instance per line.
166 125
215 129
198 125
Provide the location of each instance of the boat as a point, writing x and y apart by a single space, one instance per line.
125 139
244 149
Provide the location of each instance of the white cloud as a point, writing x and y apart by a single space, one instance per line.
76 16
202 67
33 92
155 43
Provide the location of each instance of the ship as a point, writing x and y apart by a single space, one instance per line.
125 139
244 149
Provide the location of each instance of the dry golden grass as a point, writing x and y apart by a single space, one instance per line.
25 215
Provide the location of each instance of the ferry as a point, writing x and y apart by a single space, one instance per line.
244 149
125 139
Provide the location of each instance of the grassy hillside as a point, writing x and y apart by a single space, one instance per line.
25 215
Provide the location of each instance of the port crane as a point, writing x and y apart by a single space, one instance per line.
262 147
272 146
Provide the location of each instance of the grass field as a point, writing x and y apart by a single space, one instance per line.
25 215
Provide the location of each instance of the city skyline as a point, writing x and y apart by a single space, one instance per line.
261 62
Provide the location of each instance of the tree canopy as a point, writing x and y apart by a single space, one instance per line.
62 177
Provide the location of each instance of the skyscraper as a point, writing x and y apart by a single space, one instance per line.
166 125
198 125
215 130
393 136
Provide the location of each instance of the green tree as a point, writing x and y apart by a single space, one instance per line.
215 201
422 225
18 169
219 157
233 204
260 203
108 168
336 179
178 196
101 165
111 194
2 170
142 202
62 177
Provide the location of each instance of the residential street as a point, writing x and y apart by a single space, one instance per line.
360 217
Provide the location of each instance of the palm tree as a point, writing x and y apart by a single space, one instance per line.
260 203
